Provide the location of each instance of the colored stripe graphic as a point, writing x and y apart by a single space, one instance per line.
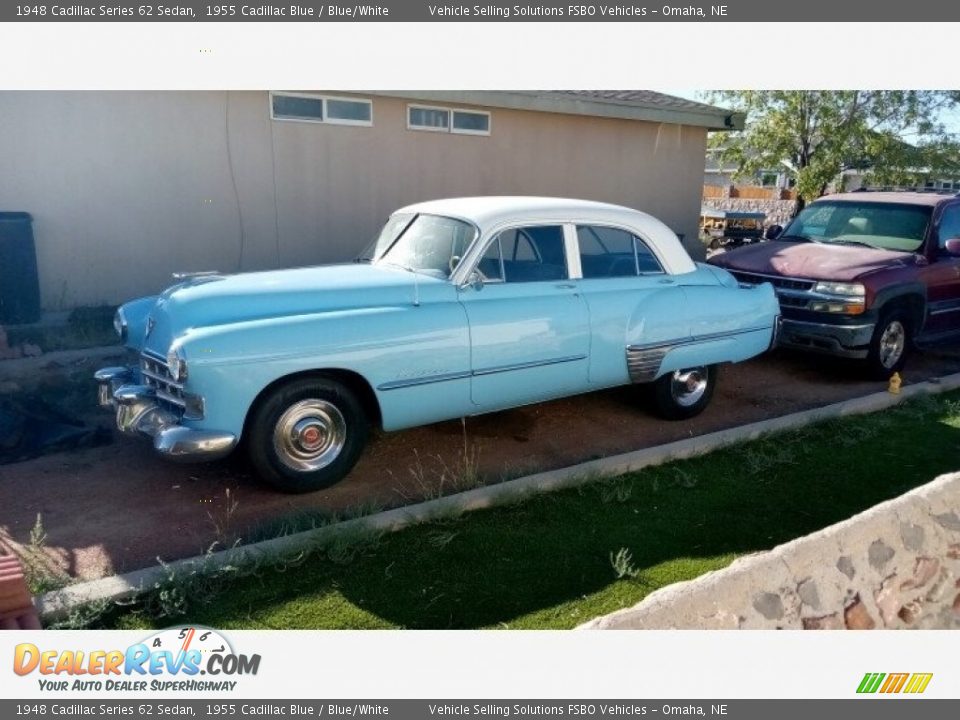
870 682
918 682
893 683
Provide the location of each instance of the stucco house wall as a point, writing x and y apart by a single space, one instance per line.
127 187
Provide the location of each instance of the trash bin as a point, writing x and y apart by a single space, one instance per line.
19 284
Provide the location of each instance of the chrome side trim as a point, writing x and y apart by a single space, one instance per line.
426 380
446 377
526 365
698 338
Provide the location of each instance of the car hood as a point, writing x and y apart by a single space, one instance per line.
210 301
817 261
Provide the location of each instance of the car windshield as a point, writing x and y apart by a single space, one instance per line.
887 226
430 244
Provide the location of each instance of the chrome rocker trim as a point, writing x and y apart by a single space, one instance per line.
139 414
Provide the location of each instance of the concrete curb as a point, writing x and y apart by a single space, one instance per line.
58 604
25 367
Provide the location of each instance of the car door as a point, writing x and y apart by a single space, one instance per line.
620 273
529 330
943 278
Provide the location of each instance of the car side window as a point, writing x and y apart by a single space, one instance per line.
647 262
527 254
490 264
949 225
607 252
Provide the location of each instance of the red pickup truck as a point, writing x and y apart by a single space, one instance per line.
864 275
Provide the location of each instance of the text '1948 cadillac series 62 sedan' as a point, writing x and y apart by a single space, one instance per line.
467 306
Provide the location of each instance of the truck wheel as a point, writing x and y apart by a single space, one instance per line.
684 393
307 434
889 345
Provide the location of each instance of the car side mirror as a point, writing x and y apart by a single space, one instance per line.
952 246
474 281
773 232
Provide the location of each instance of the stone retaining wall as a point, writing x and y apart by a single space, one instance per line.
778 212
896 565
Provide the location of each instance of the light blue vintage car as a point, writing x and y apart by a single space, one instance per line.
466 306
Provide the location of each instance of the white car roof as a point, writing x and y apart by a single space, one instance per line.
491 212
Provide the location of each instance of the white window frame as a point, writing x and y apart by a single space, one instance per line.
450 129
429 128
455 131
326 120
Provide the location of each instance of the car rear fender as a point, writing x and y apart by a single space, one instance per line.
721 324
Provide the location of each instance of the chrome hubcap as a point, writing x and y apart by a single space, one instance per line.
310 435
892 342
688 386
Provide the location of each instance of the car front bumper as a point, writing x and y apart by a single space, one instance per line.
140 413
850 341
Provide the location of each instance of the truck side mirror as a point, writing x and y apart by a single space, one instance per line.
773 232
952 246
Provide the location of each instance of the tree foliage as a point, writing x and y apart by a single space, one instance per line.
814 135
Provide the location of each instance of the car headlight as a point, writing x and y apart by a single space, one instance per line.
177 363
840 288
120 324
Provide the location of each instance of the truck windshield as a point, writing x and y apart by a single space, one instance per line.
887 226
424 243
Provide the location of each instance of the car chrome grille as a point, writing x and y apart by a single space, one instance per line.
157 376
780 283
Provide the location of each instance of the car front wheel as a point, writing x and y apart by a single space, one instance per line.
307 434
684 393
889 345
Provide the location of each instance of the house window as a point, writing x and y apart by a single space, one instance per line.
428 118
449 120
320 108
471 123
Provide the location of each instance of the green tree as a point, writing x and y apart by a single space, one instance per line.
814 135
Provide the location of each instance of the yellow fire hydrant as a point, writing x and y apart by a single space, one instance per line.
895 382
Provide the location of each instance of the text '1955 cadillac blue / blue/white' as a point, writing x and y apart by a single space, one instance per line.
466 306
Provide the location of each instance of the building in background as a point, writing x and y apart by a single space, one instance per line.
127 187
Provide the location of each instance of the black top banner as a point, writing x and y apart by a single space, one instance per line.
435 11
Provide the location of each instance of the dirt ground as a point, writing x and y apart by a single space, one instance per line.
118 507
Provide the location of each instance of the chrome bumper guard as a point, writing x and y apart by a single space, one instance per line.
777 330
140 414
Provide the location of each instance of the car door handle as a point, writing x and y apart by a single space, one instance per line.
566 286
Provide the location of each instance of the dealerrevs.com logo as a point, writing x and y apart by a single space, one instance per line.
177 659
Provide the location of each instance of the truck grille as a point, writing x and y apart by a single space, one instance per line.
780 283
156 375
